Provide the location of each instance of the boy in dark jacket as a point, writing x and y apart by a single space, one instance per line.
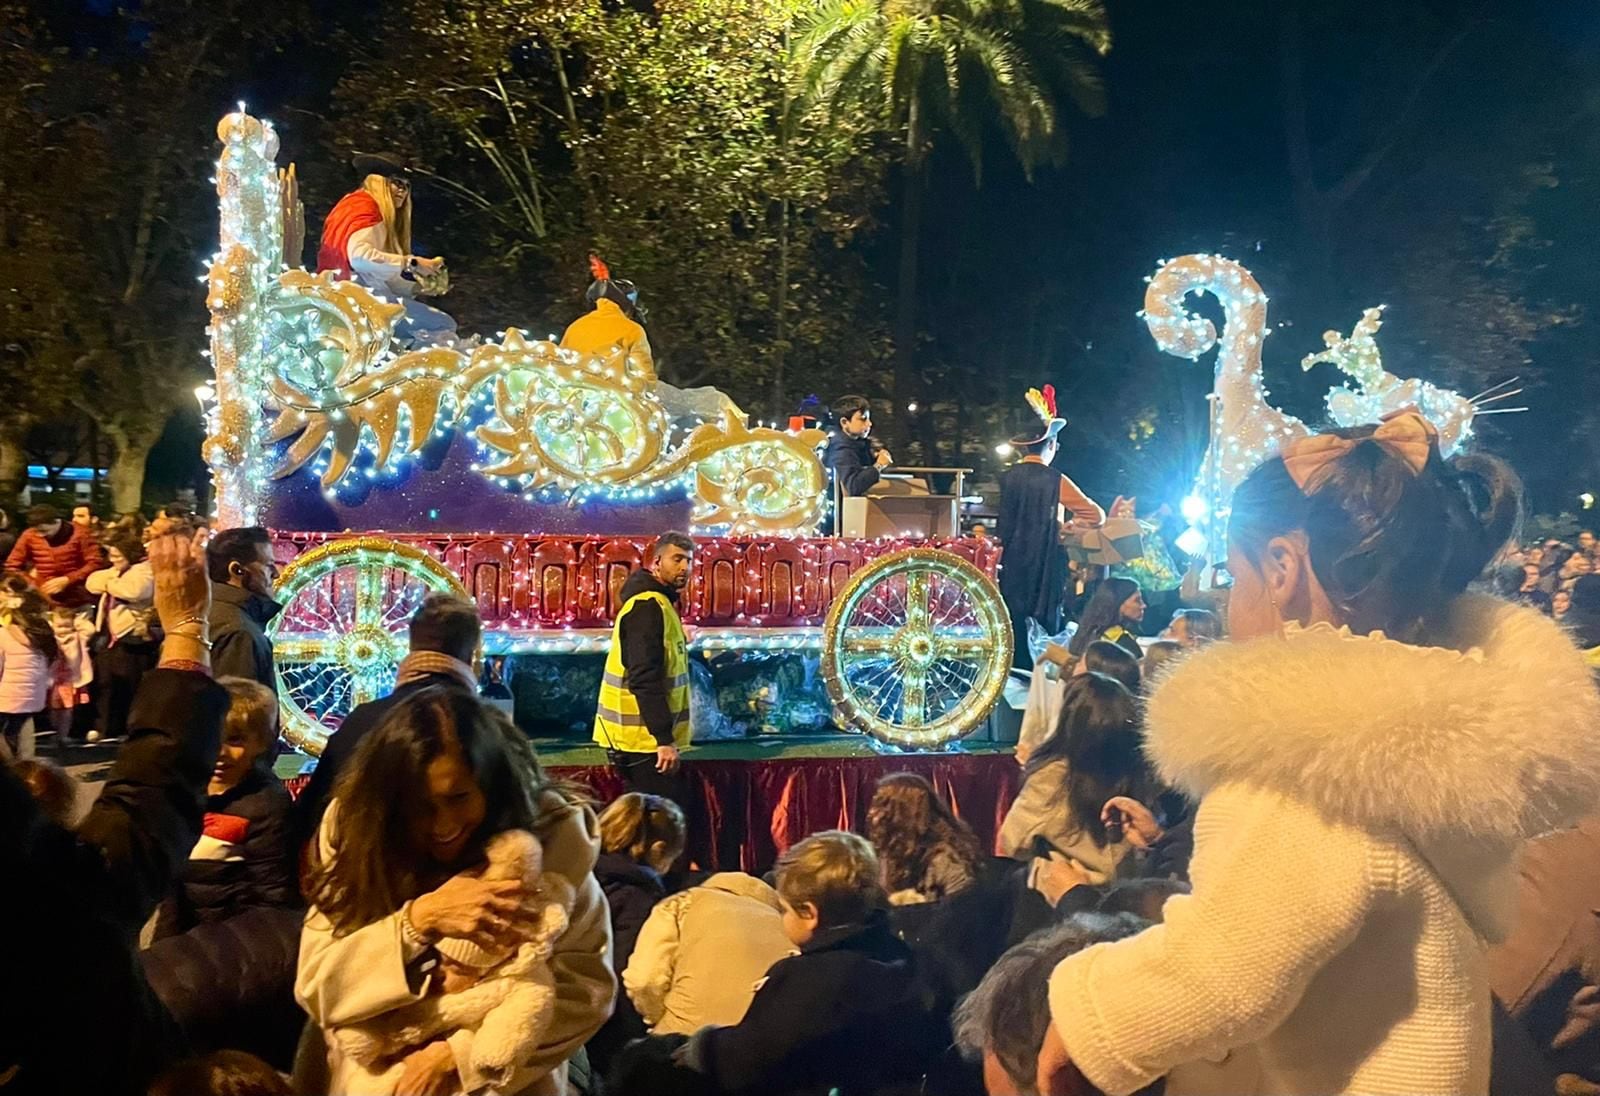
844 1015
849 455
244 858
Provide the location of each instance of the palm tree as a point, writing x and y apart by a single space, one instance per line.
947 66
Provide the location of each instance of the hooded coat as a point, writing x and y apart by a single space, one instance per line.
703 952
1362 804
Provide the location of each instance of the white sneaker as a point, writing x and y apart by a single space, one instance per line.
93 736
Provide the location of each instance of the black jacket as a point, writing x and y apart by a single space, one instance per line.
230 984
259 868
340 748
239 643
632 891
850 460
956 940
644 653
77 1014
846 1014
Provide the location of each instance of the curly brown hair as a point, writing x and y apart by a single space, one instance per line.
910 827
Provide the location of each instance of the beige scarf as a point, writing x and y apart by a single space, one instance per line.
421 664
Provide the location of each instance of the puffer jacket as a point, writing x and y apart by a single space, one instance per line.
24 674
242 861
702 953
230 984
72 553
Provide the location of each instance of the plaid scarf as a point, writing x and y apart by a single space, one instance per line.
421 664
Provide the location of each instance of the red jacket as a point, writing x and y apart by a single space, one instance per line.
73 552
355 211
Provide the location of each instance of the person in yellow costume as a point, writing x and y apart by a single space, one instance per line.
616 320
642 716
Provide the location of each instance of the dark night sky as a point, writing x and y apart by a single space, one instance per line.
1191 156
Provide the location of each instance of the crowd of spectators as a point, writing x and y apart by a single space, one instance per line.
1285 863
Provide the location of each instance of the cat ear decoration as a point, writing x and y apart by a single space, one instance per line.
1043 404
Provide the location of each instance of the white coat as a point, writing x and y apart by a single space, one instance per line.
702 953
126 608
350 979
24 674
1362 805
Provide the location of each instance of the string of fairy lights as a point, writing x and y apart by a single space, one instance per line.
358 409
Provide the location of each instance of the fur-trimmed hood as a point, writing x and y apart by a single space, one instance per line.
1493 738
1463 750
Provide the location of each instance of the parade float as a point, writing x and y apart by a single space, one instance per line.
532 479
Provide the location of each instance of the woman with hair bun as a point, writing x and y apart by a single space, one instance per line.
1369 759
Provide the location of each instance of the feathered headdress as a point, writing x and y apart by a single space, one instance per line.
1043 403
619 290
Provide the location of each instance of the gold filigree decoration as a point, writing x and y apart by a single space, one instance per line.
753 481
572 421
561 419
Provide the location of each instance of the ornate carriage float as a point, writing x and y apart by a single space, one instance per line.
532 479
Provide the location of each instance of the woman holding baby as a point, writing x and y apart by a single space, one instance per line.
457 940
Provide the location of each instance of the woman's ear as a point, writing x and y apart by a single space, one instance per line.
1292 583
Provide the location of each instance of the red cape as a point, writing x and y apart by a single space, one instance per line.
355 211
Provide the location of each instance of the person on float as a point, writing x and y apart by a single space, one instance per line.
642 717
1033 565
852 456
367 239
616 321
1369 761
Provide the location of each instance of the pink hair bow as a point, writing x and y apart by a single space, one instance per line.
1404 435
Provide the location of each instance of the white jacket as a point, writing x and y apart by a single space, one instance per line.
126 601
350 979
24 674
1362 804
702 952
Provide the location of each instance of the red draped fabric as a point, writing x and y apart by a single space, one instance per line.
747 813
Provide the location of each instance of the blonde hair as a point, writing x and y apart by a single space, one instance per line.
396 222
634 822
837 873
252 708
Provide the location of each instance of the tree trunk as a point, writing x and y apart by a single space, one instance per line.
126 473
780 320
13 468
905 321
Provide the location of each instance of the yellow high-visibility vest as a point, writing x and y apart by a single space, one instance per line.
617 722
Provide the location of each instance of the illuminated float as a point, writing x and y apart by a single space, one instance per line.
532 479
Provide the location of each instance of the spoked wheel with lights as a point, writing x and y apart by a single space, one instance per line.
343 629
916 648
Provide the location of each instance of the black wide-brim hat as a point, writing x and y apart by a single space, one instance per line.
1049 432
386 164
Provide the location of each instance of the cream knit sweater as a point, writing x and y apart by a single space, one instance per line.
1362 803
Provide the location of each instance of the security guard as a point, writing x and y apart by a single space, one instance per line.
642 718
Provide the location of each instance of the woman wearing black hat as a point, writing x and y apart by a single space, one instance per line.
1033 567
367 239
